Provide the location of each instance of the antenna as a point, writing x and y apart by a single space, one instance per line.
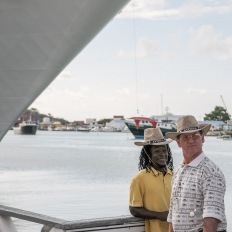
224 103
161 104
135 62
225 106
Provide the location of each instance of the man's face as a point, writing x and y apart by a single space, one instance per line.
191 144
159 155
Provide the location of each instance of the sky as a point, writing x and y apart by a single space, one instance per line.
154 57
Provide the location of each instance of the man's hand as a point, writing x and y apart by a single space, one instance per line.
210 224
163 215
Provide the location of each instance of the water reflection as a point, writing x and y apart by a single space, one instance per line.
73 175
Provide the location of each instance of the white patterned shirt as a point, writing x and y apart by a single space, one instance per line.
197 185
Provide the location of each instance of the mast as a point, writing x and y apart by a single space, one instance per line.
161 104
135 62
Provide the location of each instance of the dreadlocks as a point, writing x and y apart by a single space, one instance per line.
145 162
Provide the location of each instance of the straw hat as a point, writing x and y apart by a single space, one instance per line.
153 136
188 124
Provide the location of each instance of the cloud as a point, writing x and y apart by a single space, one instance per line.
163 10
145 48
52 97
124 91
84 88
147 9
64 103
207 41
65 75
197 91
193 9
145 96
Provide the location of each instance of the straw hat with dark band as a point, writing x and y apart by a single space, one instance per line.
188 124
153 136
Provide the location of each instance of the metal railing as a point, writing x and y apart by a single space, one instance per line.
50 224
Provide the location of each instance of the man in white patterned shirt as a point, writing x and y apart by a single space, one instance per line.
197 201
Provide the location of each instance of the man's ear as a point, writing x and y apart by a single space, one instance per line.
178 142
202 138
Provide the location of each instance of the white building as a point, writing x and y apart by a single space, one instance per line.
117 124
215 125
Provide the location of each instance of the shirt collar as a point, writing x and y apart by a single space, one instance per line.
156 173
197 160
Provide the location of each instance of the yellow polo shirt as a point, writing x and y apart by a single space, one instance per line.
153 192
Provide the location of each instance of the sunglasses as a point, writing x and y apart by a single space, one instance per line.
194 136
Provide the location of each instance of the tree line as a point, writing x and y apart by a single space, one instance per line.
218 114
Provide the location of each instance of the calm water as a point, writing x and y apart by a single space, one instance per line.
78 175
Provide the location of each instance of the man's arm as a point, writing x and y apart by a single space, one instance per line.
170 229
144 213
210 224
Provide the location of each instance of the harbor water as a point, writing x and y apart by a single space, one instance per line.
81 175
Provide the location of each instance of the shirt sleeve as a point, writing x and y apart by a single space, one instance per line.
169 218
136 195
214 188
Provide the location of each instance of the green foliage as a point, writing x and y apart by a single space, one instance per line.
34 110
218 114
61 120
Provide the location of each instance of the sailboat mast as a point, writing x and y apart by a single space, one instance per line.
161 104
135 62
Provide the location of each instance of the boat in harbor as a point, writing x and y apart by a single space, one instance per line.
137 125
111 129
26 128
83 129
226 137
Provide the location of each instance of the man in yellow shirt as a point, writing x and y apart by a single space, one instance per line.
150 188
